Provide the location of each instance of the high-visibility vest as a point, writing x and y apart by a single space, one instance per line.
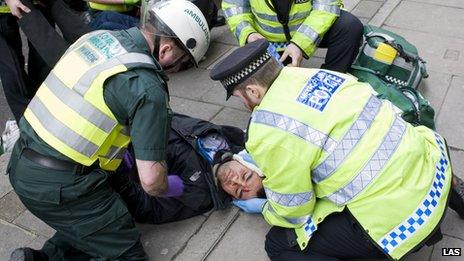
69 111
4 9
325 142
308 21
120 8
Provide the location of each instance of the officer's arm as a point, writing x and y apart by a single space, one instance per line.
319 21
240 19
287 185
152 176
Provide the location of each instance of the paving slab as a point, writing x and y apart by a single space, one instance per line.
190 84
195 109
451 3
417 16
450 121
383 12
432 48
5 112
453 225
38 242
12 237
163 242
457 160
222 34
447 242
313 62
350 4
215 51
210 233
28 221
434 88
217 95
5 185
233 117
243 241
11 207
366 8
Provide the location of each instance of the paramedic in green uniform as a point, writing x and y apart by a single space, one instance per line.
105 92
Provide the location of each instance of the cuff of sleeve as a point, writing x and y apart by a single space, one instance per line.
244 35
306 45
302 238
150 154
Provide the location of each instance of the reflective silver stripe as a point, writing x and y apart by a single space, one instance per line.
399 61
373 167
240 27
275 30
61 131
310 33
274 18
243 3
289 200
326 168
79 104
115 153
235 11
297 128
294 221
334 9
84 83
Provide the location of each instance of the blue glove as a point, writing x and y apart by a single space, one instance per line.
251 206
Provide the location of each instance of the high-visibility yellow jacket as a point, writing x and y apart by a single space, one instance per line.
308 21
325 142
120 8
4 9
69 111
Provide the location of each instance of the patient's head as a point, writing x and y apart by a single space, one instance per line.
239 181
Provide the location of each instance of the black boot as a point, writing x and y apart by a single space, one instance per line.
456 201
28 254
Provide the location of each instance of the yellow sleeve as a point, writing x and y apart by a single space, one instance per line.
239 18
320 19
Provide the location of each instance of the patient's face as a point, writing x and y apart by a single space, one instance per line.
239 181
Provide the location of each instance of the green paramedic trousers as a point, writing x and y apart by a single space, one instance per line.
90 219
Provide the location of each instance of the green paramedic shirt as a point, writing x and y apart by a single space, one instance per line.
137 99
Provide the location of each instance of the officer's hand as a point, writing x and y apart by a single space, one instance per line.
17 8
175 186
294 52
252 205
253 37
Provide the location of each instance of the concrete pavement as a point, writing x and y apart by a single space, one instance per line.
435 26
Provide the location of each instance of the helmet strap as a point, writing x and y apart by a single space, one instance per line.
157 47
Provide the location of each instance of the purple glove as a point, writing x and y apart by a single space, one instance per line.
175 186
128 160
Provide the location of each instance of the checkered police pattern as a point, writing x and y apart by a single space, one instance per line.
310 227
395 80
244 73
279 45
414 222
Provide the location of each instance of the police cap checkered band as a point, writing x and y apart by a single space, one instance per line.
241 64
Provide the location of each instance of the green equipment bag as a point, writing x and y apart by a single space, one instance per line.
391 65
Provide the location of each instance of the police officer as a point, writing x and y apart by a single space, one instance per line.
297 28
325 145
106 91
